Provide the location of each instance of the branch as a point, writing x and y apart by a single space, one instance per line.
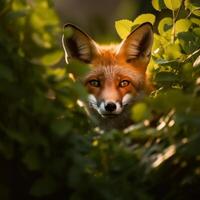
191 12
175 17
191 55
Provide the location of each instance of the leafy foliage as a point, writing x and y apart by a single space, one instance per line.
49 149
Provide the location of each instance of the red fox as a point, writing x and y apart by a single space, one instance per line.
117 76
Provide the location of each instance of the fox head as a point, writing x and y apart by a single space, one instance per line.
117 74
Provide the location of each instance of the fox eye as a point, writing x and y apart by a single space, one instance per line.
94 83
124 83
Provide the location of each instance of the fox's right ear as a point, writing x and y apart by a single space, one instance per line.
137 46
78 44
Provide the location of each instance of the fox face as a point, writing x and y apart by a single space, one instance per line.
117 76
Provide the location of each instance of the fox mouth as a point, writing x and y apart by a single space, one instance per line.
109 115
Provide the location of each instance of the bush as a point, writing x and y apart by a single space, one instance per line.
48 147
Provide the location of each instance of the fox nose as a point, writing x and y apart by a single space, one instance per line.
110 107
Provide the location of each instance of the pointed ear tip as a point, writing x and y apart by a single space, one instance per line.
147 24
69 25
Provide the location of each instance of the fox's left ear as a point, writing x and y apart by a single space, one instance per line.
77 44
137 46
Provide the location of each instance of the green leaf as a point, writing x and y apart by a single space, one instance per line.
195 20
165 25
77 68
166 62
158 4
187 41
68 32
193 6
140 112
52 58
187 71
172 52
182 25
157 49
42 40
197 31
173 4
17 14
80 90
166 77
147 17
57 74
195 2
123 27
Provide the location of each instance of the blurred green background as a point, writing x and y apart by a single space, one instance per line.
49 149
98 17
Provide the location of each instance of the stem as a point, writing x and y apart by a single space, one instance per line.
191 55
175 17
178 12
173 28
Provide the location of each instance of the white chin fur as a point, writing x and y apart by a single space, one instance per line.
127 99
92 101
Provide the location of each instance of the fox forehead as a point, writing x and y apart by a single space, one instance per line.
107 55
110 66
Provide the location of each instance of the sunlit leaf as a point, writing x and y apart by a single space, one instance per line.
165 25
140 112
41 40
172 51
182 25
123 28
52 58
195 20
147 17
173 4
